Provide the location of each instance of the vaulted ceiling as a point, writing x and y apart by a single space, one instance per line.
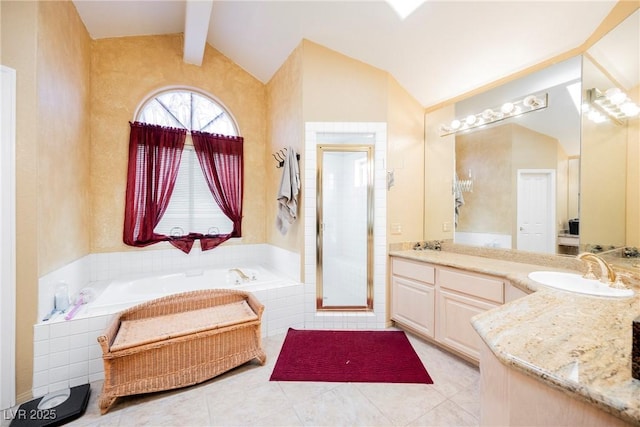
444 49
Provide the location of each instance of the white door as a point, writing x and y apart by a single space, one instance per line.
536 210
7 236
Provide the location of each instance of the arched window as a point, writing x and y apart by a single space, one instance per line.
192 208
187 109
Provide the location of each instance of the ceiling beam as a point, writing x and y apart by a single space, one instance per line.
196 27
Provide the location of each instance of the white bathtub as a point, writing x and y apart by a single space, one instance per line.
66 352
124 293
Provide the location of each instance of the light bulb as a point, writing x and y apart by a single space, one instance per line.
455 124
531 101
615 96
507 107
630 109
596 117
471 119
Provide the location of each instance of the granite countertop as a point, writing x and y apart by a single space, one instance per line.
576 343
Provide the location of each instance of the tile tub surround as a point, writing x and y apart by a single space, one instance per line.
550 334
96 268
67 354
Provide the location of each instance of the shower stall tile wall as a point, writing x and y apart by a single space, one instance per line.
316 133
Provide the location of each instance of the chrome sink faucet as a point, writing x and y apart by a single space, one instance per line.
607 274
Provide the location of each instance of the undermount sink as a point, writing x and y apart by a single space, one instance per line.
576 283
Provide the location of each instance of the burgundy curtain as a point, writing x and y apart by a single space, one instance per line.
221 160
154 158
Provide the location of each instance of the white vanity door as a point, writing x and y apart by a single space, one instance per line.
413 304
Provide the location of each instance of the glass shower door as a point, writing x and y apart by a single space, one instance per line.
345 216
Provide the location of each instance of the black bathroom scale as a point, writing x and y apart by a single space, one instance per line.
53 409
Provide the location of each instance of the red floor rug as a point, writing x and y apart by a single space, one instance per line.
349 356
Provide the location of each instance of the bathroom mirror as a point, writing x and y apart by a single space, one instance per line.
611 160
514 189
537 168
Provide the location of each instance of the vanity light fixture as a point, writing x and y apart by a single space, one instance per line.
491 115
613 105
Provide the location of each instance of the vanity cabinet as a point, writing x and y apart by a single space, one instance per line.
510 398
413 296
439 302
460 296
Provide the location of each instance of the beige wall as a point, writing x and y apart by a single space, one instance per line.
439 162
633 185
63 136
285 127
19 51
603 183
337 88
405 157
49 47
125 71
488 153
573 187
633 177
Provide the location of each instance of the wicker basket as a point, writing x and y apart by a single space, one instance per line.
173 360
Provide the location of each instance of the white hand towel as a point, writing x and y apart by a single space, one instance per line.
288 192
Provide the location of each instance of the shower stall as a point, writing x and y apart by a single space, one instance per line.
345 233
344 226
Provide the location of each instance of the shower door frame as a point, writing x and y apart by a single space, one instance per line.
369 150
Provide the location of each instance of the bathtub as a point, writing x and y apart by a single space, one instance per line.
66 352
123 293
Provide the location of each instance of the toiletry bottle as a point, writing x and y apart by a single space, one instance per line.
62 297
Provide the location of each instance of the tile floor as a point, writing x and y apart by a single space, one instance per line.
245 396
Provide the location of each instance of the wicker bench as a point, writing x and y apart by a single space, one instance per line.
179 340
